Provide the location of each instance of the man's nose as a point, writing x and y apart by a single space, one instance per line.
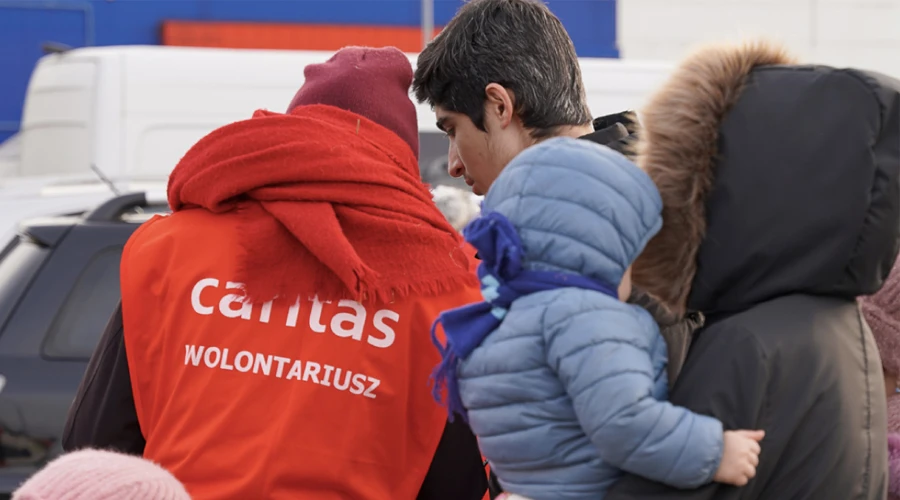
455 167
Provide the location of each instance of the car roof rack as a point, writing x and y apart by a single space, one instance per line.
112 209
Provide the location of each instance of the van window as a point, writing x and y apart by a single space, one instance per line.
19 263
66 150
77 328
57 121
160 148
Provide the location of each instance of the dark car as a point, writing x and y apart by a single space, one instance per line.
59 284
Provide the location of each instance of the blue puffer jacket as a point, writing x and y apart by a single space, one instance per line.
571 388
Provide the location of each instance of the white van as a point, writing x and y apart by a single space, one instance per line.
129 113
133 111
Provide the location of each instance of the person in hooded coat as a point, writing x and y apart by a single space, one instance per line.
781 192
273 337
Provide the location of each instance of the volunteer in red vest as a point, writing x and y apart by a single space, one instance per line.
277 324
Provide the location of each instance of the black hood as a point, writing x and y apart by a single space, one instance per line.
777 179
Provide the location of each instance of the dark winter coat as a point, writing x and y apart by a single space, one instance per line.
781 186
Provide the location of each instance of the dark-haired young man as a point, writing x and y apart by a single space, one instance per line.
502 76
495 93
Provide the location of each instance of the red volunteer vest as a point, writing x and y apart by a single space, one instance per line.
282 400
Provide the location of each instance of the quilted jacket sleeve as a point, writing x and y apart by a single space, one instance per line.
602 356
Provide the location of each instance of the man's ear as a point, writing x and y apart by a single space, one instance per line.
499 104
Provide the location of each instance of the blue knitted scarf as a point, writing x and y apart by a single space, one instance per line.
503 280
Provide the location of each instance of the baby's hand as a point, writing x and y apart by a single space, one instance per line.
739 457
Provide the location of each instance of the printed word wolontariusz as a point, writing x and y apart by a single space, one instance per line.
280 367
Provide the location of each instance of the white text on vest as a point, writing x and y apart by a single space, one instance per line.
348 323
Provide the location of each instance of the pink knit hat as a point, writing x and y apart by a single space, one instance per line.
367 81
882 312
101 475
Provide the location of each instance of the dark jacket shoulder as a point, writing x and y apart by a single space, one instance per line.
780 367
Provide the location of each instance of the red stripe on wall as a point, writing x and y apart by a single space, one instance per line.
240 35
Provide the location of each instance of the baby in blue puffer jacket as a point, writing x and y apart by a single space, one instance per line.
562 381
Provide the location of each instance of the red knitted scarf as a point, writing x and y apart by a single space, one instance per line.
332 204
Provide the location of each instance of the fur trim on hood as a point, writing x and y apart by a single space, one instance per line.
678 149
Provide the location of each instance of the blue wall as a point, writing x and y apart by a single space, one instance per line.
26 24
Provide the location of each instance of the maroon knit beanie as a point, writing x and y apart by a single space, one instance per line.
882 313
370 82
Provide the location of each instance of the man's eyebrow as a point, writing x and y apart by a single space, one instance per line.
440 123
